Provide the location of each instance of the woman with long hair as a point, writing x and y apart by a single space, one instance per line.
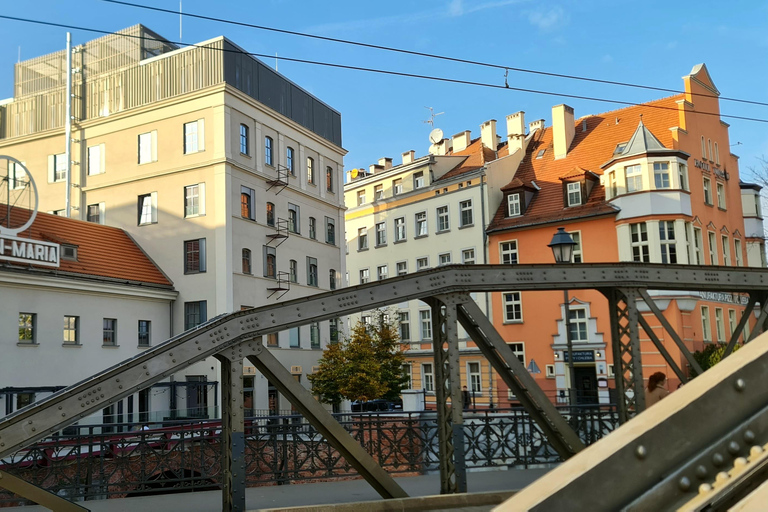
656 390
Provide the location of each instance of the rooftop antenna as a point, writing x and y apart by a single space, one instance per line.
432 116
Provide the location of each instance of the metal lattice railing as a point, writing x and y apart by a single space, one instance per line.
125 460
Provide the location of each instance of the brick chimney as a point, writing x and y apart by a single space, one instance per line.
385 162
515 131
563 129
488 134
461 140
409 156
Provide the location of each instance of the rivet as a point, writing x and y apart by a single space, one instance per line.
733 447
740 384
701 471
749 436
704 488
120 386
755 451
63 415
717 459
740 462
641 452
684 484
722 476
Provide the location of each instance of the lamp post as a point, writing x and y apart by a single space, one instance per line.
562 248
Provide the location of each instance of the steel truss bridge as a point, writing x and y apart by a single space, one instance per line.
236 337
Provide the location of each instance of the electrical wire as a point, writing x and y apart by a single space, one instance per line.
389 72
428 55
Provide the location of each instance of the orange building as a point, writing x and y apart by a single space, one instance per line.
651 183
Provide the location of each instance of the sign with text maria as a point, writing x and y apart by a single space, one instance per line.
25 250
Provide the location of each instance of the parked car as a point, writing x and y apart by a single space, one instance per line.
377 405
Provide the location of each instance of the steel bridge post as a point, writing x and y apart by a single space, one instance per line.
232 431
627 361
450 417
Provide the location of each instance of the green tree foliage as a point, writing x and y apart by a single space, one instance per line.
367 365
710 356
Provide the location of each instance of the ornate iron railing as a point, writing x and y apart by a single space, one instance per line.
123 460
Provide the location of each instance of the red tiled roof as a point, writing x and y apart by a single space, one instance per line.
477 156
589 150
102 251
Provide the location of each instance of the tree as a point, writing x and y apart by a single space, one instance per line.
710 356
367 365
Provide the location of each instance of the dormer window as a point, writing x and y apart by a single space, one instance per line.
69 252
513 205
574 194
620 147
540 154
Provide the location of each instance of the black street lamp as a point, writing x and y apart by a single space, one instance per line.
562 248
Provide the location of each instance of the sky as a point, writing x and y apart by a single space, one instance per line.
650 43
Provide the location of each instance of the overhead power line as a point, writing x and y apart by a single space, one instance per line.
429 55
388 72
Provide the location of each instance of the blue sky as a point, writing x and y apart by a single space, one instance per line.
652 43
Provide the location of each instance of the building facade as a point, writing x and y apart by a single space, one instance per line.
225 172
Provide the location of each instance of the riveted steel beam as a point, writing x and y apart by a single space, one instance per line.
662 349
38 495
742 323
232 429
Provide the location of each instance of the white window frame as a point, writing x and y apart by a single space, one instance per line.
295 211
96 160
508 254
418 180
682 175
667 243
712 239
365 275
421 224
147 207
404 325
513 205
707 183
443 218
360 197
427 377
732 323
362 239
147 147
397 186
198 197
661 178
400 230
578 252
579 322
419 261
444 258
401 268
475 377
468 256
739 252
510 301
194 136
381 234
425 324
382 272
57 168
574 193
633 175
466 214
720 191
706 324
378 192
720 325
698 246
725 245
638 240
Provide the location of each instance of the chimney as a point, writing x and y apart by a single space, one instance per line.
563 129
536 125
385 162
409 156
515 131
461 140
488 134
374 168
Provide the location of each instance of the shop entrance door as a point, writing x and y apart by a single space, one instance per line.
586 384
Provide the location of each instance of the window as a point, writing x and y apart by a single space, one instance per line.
95 213
270 214
474 377
270 262
330 231
96 160
362 239
426 324
329 179
468 256
706 325
399 229
57 168
247 196
378 192
244 146
513 205
404 324
397 186
639 241
365 276
312 276
661 174
293 271
294 337
421 224
719 325
703 148
465 208
289 161
273 340
194 200
508 252
382 272
634 178
418 179
698 245
110 332
17 176
269 157
726 246
360 197
540 154
682 171
147 209
332 279
22 400
427 378
310 170
443 222
612 186
550 371
293 219
574 194
422 263
709 149
712 249
148 147
145 332
519 350
577 250
578 319
667 240
381 234
71 330
401 267
314 335
333 330
739 254
513 307
194 256
732 324
247 261
720 195
408 375
444 259
707 191
194 136
312 228
27 325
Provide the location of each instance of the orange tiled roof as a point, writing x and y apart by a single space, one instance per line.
590 149
477 156
102 251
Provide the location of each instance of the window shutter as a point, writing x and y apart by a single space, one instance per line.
154 145
154 207
201 134
51 168
203 256
201 198
102 154
102 213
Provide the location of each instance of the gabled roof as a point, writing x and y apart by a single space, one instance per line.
642 141
103 252
477 156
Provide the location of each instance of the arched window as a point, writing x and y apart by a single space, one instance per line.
289 160
703 148
332 276
310 170
247 261
270 214
717 154
329 179
268 155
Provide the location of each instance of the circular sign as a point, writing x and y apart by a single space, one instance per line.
17 190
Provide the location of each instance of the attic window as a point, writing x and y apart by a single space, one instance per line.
574 194
69 252
620 147
540 154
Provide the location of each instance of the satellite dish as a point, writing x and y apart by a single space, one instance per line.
435 136
354 173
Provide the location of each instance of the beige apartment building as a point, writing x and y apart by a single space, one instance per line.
227 174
